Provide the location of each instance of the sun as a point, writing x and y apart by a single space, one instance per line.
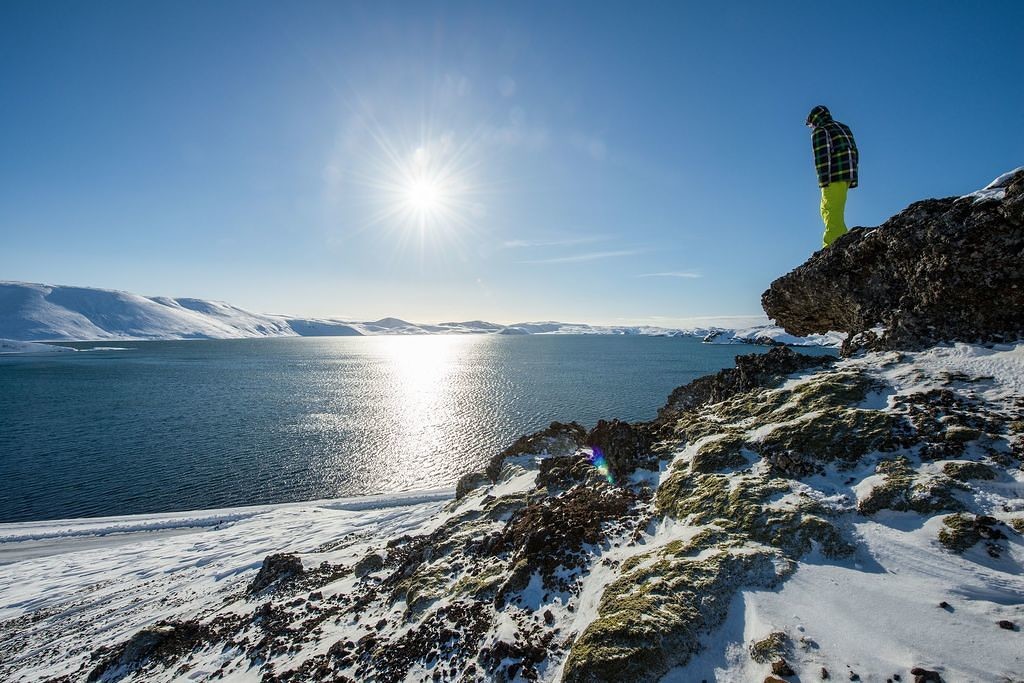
429 191
424 195
421 192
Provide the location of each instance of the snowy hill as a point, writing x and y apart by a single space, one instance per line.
38 312
772 335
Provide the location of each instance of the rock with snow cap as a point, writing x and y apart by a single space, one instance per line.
940 270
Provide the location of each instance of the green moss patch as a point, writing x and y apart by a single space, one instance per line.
770 648
965 471
904 491
650 619
961 531
720 454
843 434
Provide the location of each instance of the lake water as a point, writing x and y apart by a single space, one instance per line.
182 425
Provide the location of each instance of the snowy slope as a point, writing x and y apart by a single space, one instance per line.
36 312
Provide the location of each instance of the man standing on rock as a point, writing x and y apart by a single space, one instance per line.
835 159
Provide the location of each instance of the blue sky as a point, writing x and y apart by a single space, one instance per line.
595 162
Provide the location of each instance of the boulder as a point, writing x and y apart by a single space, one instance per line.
163 641
558 439
623 445
369 564
276 570
940 270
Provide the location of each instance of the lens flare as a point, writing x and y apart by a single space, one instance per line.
598 460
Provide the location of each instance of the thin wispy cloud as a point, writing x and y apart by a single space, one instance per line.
562 242
673 273
588 256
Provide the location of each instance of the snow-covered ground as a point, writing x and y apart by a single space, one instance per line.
97 581
38 312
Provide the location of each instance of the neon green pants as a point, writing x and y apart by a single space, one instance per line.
833 204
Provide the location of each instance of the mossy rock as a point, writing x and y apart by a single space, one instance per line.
965 471
818 424
422 589
468 482
961 531
842 434
960 434
1018 524
650 619
833 389
958 533
752 405
481 585
720 454
740 507
770 648
691 428
904 491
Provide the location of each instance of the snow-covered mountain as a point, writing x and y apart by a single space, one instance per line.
772 335
37 312
40 312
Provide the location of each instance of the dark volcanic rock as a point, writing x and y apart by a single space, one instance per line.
162 641
369 564
940 270
622 444
276 569
752 370
780 667
558 439
549 536
922 675
565 471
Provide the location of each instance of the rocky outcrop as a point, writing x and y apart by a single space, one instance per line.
161 642
623 444
940 270
276 569
751 371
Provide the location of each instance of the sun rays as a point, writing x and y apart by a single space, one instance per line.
420 192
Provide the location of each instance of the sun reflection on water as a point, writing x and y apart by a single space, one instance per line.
419 389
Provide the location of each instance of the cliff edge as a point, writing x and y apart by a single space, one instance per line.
940 270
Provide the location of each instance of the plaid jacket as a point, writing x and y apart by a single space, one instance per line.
835 152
